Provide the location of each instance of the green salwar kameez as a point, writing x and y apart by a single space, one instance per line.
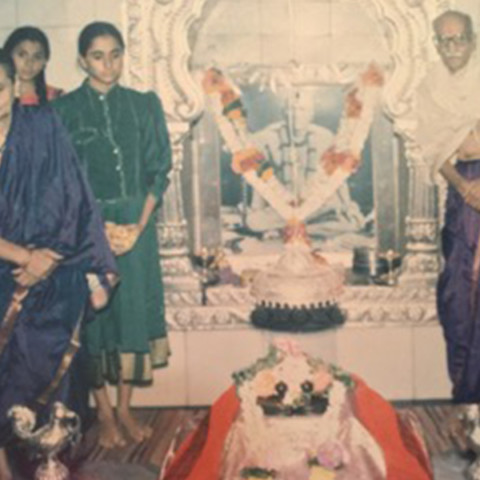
122 142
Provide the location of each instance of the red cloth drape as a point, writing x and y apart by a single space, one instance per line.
199 457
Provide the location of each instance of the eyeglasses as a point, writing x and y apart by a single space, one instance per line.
459 40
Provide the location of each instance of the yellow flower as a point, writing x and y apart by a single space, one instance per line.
318 472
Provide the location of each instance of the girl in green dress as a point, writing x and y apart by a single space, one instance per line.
121 139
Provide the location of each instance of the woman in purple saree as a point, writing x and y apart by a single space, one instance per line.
51 239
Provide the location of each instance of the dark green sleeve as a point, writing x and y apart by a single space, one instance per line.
156 149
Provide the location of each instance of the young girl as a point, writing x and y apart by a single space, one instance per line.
121 138
29 49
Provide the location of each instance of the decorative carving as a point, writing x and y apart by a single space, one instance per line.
139 64
208 318
408 33
293 74
154 51
422 230
230 307
159 54
175 266
170 24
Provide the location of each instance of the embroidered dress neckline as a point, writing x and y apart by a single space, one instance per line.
98 94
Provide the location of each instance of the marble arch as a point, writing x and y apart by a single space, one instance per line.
159 53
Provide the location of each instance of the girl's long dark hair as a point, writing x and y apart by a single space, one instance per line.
6 63
32 34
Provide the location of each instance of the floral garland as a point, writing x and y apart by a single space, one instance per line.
247 159
344 157
260 373
338 162
258 381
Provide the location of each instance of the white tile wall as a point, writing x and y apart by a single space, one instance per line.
306 31
235 18
276 49
430 360
108 10
359 48
8 13
213 356
55 12
63 69
232 49
314 50
381 356
312 18
275 17
350 18
472 7
170 383
401 363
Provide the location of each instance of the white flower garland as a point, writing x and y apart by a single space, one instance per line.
338 163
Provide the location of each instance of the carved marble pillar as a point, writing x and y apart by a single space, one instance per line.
421 261
409 36
178 275
157 49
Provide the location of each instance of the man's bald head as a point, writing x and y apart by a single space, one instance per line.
454 39
460 16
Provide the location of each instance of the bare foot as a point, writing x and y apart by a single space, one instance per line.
109 435
147 431
135 430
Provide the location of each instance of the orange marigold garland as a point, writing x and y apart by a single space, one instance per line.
344 157
247 159
338 162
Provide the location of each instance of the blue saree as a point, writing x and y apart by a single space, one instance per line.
458 290
46 203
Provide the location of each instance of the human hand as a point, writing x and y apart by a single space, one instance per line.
470 191
99 294
122 238
39 265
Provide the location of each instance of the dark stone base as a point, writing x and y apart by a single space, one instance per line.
297 319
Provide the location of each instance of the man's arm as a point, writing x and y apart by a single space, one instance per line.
468 189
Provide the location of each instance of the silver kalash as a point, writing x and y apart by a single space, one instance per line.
47 442
470 416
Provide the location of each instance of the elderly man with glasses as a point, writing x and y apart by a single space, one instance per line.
448 133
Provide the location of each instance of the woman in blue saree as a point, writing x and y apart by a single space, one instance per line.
51 241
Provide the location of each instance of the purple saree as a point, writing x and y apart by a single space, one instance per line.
45 202
458 290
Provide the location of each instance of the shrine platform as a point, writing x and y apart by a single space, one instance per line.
391 338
